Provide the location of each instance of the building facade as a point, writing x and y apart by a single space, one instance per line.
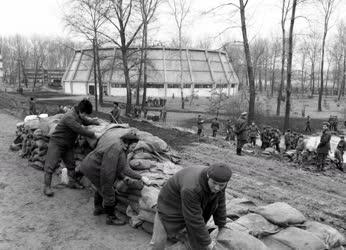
200 72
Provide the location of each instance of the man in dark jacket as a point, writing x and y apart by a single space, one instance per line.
115 113
32 106
188 200
323 147
253 132
62 141
200 123
339 153
241 131
307 125
229 131
215 126
103 166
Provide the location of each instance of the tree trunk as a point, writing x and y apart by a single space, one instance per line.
181 71
319 108
283 56
343 78
99 75
145 65
303 73
327 78
266 74
248 63
273 75
260 83
95 74
139 80
313 79
289 67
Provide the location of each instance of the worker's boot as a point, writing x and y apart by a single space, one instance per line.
72 182
111 218
98 208
47 190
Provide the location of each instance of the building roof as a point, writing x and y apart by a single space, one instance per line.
198 66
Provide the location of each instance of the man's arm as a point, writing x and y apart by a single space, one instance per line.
126 170
90 121
193 215
78 128
220 214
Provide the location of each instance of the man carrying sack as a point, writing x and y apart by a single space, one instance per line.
187 201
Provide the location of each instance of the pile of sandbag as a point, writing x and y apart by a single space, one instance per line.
276 226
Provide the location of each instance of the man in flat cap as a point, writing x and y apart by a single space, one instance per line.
187 201
103 166
323 147
241 131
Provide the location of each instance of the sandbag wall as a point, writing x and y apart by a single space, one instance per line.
276 226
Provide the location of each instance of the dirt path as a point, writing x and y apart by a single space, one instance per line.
29 220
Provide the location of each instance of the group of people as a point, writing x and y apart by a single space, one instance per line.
185 203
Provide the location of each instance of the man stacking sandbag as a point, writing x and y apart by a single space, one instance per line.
188 200
62 140
103 166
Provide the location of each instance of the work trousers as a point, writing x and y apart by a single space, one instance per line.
321 159
253 140
214 133
57 152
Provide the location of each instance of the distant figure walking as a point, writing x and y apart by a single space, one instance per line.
215 126
229 131
200 122
241 131
32 106
253 133
307 125
115 113
323 147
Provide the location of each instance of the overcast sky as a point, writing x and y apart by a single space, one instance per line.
44 17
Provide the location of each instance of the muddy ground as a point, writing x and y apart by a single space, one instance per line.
31 221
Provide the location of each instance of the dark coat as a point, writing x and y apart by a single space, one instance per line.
103 166
241 129
253 131
324 145
32 108
69 127
187 202
215 125
116 114
200 122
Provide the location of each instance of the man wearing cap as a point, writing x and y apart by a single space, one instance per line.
253 133
323 147
187 201
339 153
115 113
62 141
200 123
241 131
215 126
103 166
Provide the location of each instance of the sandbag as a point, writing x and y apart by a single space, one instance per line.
295 238
111 133
144 146
148 201
134 220
254 224
133 183
144 156
147 216
238 207
37 165
140 164
330 236
280 213
158 144
228 239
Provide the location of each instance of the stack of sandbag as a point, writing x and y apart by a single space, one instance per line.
276 226
38 149
18 141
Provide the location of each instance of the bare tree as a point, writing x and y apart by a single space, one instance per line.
313 49
148 9
86 18
284 13
38 54
250 73
180 10
328 7
289 66
275 51
125 18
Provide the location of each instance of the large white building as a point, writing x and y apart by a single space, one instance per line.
202 72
